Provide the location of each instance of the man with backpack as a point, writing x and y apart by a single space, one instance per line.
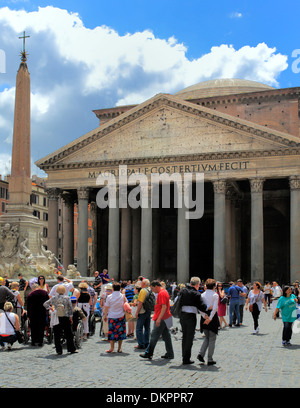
160 327
146 302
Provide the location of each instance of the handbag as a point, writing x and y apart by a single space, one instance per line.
128 316
251 306
176 308
127 310
19 334
224 300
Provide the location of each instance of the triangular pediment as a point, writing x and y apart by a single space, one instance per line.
165 126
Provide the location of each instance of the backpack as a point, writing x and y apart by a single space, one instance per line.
149 302
60 309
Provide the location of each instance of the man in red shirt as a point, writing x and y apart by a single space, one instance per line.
161 315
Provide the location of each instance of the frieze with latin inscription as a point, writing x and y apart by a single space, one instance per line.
170 169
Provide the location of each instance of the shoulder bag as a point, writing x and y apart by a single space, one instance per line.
176 308
251 306
19 334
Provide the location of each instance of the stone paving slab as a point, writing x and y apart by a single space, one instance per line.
243 360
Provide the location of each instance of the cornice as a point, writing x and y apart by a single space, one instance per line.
237 155
249 97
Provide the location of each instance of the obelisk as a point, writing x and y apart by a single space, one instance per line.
20 180
20 230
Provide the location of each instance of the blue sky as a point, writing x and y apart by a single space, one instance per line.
86 55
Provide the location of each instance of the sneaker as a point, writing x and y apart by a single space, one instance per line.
284 343
209 363
288 343
255 331
9 347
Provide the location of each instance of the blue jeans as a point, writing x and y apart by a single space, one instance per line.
163 331
234 307
143 329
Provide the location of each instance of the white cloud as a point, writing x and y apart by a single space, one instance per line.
5 164
236 14
75 70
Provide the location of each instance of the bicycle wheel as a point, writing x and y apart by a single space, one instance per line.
79 335
92 325
26 332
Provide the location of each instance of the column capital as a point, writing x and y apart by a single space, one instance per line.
294 182
68 199
83 193
220 186
257 185
53 193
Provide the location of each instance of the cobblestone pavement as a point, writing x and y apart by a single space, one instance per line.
243 361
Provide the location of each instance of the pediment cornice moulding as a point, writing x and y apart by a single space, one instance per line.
163 100
240 155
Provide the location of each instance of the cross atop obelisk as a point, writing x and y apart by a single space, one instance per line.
24 53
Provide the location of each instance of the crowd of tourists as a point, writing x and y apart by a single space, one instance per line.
127 309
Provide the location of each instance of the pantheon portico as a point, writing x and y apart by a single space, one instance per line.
243 137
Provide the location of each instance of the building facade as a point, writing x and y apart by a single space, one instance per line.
242 136
4 194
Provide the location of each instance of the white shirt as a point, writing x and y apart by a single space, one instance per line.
210 298
67 285
115 304
5 326
276 291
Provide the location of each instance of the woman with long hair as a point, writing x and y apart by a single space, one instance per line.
222 307
42 283
256 299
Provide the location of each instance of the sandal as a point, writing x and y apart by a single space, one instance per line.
120 351
109 351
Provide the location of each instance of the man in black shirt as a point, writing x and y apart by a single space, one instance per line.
97 282
190 302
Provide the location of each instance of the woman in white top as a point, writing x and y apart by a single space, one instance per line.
115 315
256 299
267 293
84 303
104 296
7 329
